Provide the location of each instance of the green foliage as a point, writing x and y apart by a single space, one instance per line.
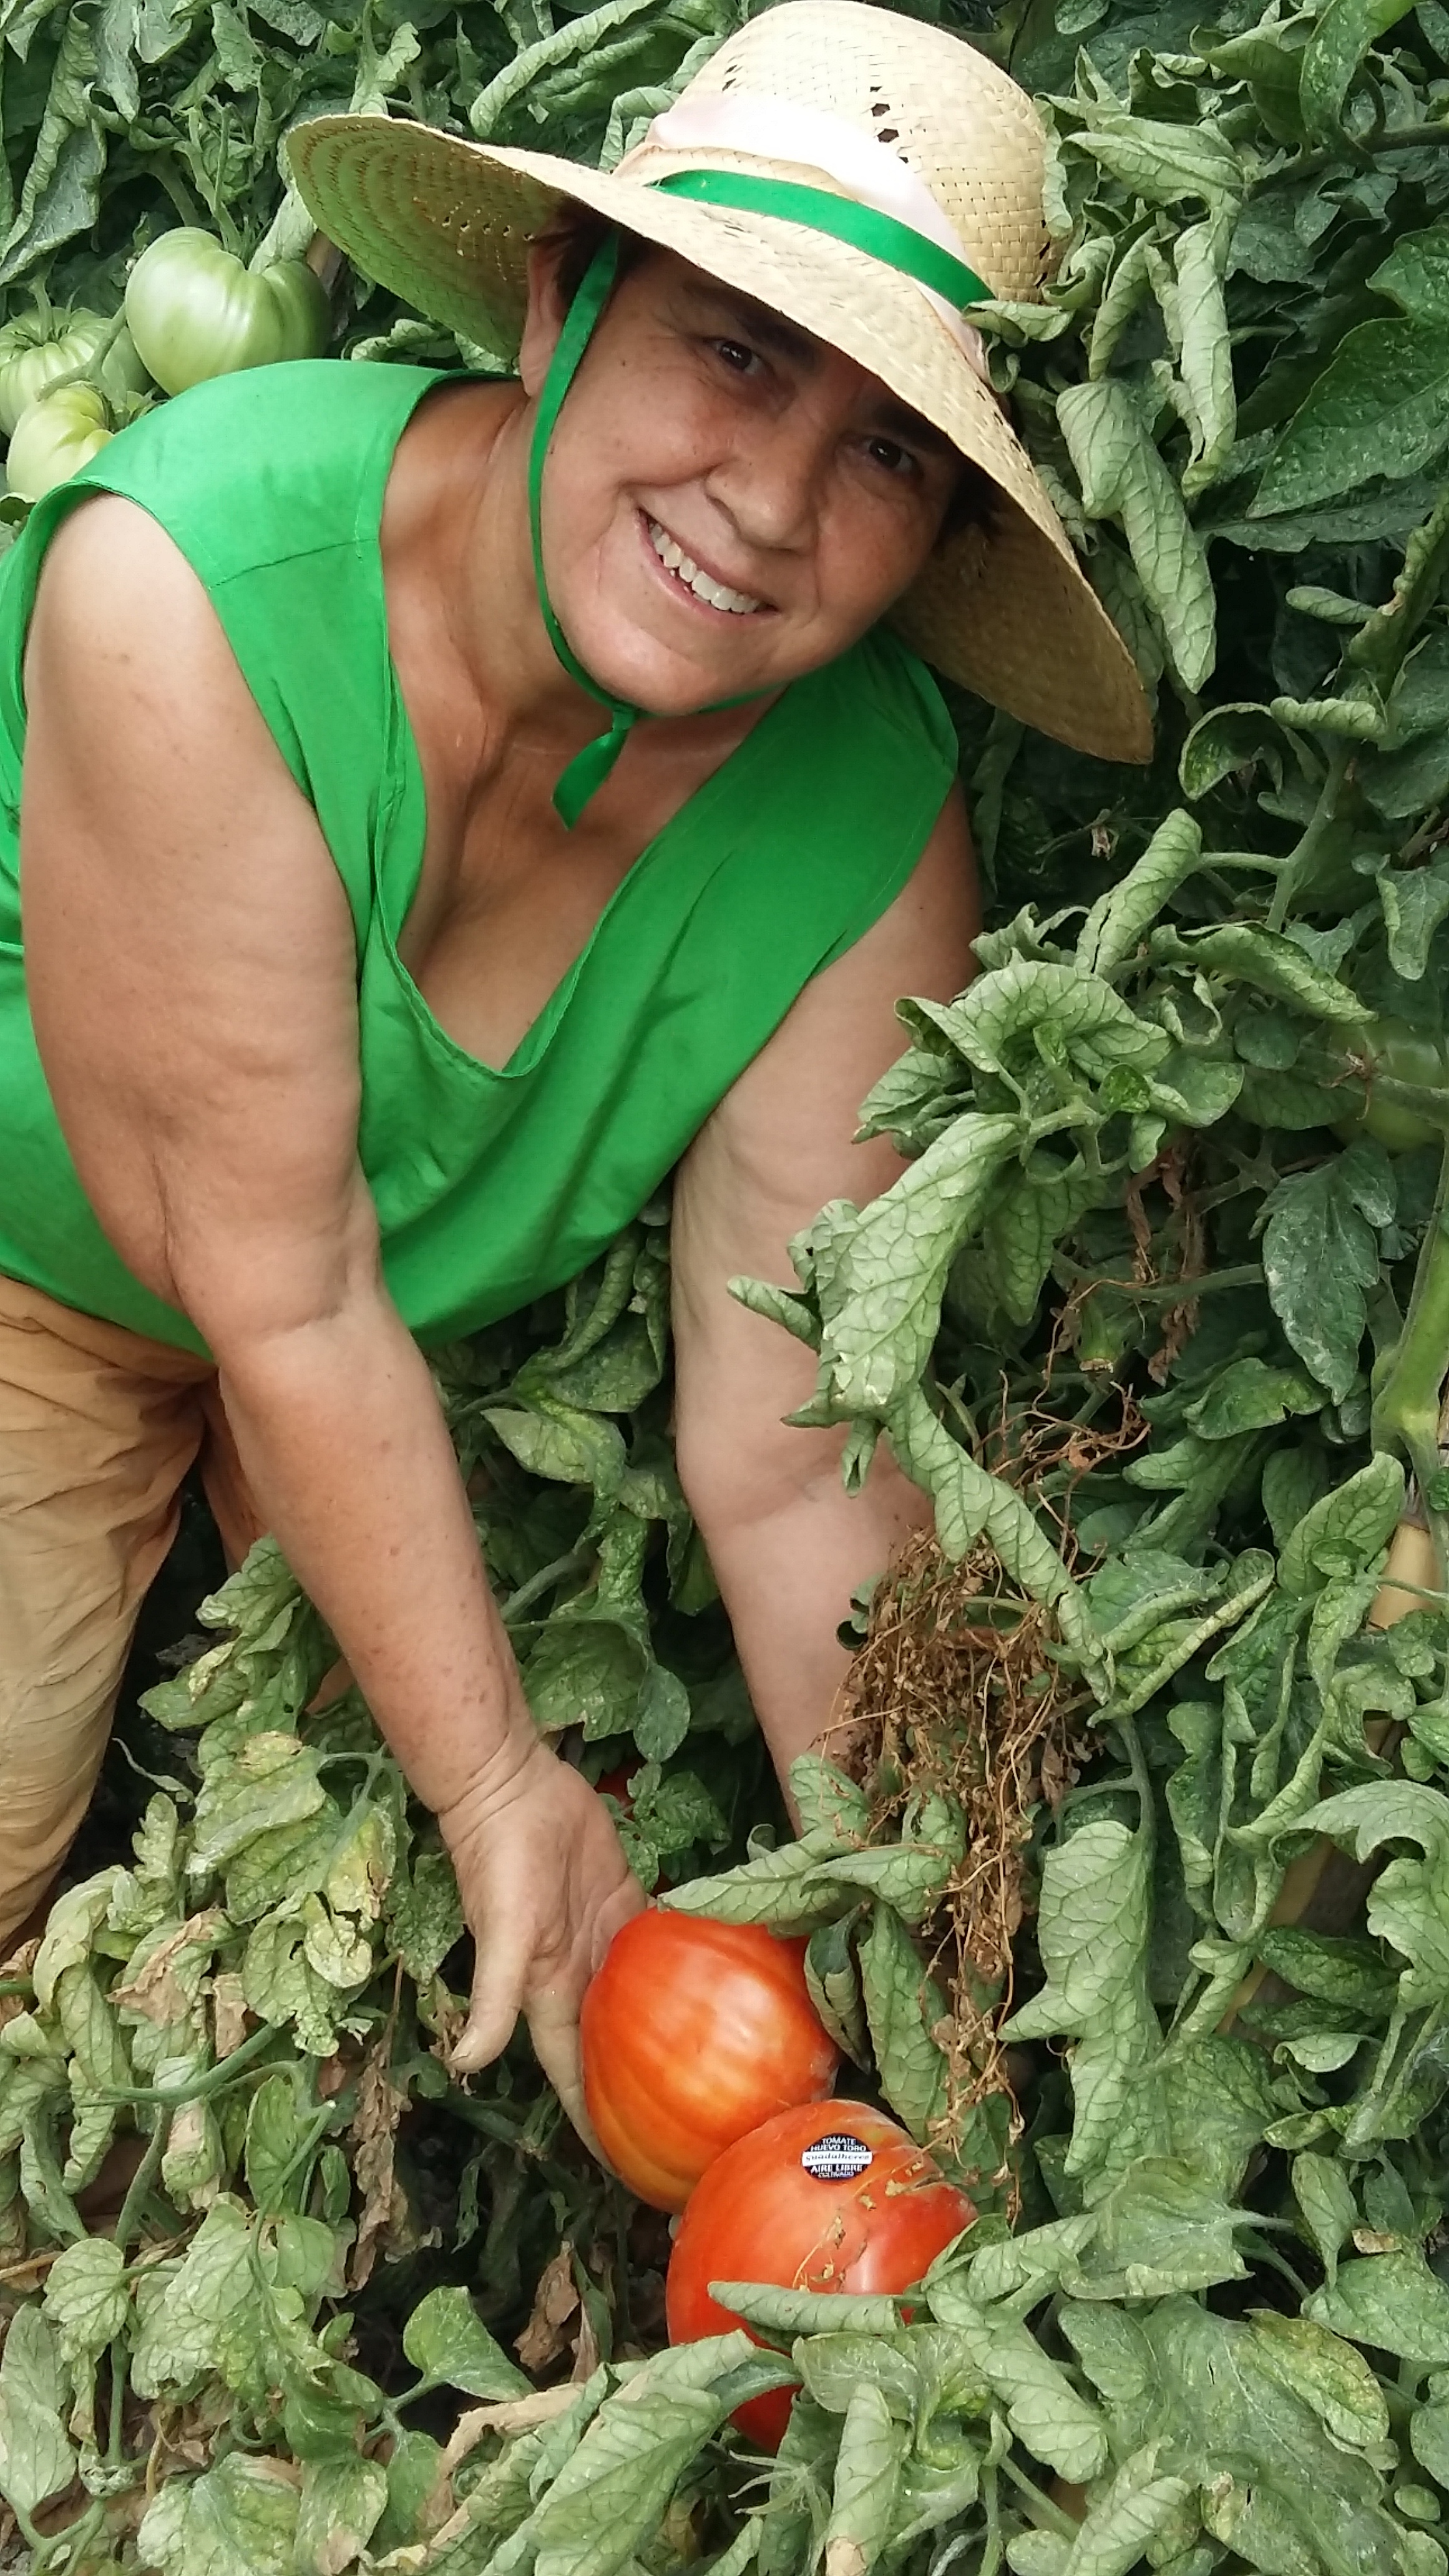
1160 1326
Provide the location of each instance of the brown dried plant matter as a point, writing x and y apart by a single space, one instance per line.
955 1689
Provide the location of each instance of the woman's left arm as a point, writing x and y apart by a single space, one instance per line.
787 1543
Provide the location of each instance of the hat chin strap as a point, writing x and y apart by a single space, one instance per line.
589 768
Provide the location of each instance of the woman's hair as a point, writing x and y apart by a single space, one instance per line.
576 234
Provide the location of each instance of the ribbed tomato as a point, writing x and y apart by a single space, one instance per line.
830 2196
693 2033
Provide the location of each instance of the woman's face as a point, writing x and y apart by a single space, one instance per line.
728 502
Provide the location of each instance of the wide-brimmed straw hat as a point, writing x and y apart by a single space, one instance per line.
885 130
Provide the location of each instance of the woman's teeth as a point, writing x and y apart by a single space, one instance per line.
736 603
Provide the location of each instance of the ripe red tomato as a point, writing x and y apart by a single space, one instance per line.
830 2196
693 2033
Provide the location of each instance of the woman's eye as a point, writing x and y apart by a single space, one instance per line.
893 458
736 355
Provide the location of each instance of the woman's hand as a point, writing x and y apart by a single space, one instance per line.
545 1887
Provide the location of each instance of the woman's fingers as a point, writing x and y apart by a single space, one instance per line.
545 1887
499 1979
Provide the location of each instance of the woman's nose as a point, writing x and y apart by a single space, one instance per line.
772 483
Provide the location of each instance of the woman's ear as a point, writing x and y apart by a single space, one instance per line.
546 313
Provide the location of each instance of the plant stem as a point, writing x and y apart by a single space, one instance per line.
1300 860
527 1593
154 2097
141 2181
1050 2516
1408 1400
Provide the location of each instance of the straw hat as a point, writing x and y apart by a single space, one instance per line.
867 106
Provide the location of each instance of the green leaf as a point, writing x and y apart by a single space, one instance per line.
782 2312
1045 2411
445 2339
1415 901
86 2300
1392 2301
1416 274
272 1781
867 2477
1334 51
903 2005
342 2502
610 2495
1267 962
833 1977
1092 1931
1327 2373
561 1441
1429 2439
1344 1531
884 1306
424 1915
1136 2508
1377 409
210 2301
1120 917
240 2519
1321 1256
36 2459
1123 478
274 2135
1330 2212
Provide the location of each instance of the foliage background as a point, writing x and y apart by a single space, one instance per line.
1159 1320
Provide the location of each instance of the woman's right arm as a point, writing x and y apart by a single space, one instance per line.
191 965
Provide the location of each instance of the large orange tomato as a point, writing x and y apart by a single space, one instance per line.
831 2196
693 2033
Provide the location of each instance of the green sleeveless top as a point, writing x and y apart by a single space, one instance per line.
492 1183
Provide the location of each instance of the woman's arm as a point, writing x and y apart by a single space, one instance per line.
787 1543
191 964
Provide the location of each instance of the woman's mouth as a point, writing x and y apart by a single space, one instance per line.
700 585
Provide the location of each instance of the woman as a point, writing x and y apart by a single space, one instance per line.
372 978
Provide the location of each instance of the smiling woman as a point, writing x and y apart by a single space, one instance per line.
447 807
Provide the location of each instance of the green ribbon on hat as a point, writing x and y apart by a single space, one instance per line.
894 244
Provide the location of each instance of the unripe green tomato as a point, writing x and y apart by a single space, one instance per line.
37 348
1400 1054
194 311
54 438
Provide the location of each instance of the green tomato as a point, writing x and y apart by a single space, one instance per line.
54 438
38 347
194 311
1397 1053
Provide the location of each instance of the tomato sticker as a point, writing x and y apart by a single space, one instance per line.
836 2158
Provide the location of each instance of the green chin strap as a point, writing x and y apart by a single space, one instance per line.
894 244
589 768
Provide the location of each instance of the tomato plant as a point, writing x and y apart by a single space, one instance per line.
693 2033
54 438
829 2196
194 311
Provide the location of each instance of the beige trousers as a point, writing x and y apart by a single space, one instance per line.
98 1427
